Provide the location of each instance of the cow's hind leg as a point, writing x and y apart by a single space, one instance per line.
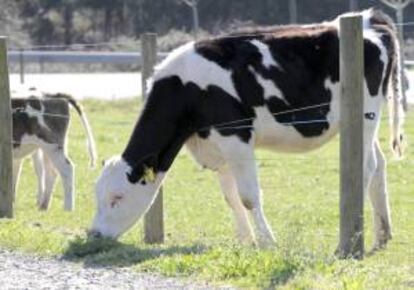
375 173
229 189
50 179
17 166
65 168
379 200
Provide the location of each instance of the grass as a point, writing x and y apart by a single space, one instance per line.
300 200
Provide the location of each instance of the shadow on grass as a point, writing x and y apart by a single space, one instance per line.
106 252
280 277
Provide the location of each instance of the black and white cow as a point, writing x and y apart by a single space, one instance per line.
276 88
40 127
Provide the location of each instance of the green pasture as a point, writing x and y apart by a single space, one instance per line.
300 200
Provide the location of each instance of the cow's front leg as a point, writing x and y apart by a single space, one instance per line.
229 189
240 157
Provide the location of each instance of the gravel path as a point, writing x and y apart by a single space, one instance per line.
21 271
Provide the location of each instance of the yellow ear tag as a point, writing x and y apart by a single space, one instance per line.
149 174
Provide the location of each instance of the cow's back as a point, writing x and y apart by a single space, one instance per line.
40 120
280 82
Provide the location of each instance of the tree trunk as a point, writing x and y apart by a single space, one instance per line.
108 23
293 11
353 5
68 23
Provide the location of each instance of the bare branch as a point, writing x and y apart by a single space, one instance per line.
405 4
396 4
190 3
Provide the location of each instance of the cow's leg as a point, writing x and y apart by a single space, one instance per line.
17 168
38 165
251 197
379 200
65 168
375 184
229 189
50 179
240 157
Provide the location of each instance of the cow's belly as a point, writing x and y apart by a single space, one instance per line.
27 145
206 152
278 137
24 150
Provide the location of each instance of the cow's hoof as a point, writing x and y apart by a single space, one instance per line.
381 242
341 254
267 244
69 208
249 244
43 206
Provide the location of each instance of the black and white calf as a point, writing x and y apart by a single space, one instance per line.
276 88
40 127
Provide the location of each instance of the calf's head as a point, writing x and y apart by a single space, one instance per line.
120 202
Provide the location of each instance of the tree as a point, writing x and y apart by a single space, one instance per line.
11 24
109 8
293 11
194 6
68 7
353 5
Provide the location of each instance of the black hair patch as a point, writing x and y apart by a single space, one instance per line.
370 115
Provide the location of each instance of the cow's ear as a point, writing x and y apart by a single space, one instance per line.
149 174
110 161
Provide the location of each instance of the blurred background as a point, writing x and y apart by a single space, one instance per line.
116 26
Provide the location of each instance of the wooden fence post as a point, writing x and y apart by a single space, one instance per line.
21 65
6 150
351 244
154 218
154 221
149 58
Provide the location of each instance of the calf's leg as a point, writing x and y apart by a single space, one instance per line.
17 166
379 200
375 174
229 189
38 165
65 168
50 179
240 157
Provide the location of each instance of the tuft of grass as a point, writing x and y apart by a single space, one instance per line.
300 202
81 247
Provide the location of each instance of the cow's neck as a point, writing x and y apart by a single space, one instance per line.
158 135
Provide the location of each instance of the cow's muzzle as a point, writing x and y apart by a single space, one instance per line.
94 234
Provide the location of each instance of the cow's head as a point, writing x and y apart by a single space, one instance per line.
120 202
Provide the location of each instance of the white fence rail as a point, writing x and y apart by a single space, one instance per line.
41 56
37 56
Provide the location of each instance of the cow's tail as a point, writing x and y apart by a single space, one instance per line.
85 123
396 104
384 25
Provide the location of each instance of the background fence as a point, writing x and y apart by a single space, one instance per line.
153 221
